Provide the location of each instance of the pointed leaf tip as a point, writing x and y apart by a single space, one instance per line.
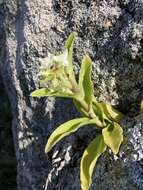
89 159
85 83
69 42
69 45
66 129
44 92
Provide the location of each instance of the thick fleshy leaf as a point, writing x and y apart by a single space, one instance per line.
97 121
80 108
69 45
116 115
113 137
45 92
85 83
69 42
89 159
106 111
97 107
112 113
66 129
141 107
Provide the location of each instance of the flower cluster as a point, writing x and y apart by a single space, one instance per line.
54 73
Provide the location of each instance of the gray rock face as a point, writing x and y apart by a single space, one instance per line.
112 33
7 156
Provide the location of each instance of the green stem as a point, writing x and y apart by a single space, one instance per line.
86 107
92 114
75 88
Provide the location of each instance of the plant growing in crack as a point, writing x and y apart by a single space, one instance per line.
58 77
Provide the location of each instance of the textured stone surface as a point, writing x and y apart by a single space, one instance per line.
112 33
7 156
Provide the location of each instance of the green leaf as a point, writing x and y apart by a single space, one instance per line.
113 136
141 107
106 111
69 45
116 115
110 112
69 42
97 122
89 159
98 109
45 92
65 82
45 80
66 129
85 82
80 108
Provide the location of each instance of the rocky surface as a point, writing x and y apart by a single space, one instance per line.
112 33
7 155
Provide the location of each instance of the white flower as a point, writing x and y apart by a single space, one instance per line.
47 62
52 60
62 58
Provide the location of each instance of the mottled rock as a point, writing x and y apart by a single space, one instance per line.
112 33
7 156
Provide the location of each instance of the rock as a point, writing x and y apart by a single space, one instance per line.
112 33
7 156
